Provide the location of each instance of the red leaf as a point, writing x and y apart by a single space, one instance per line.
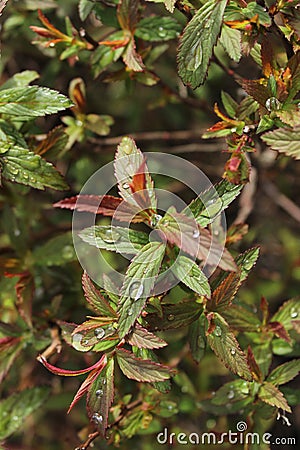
65 372
88 381
255 370
278 329
25 291
94 297
264 306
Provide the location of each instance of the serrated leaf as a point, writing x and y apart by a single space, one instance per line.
56 252
197 338
139 281
287 313
189 273
94 297
271 395
25 291
55 142
284 140
84 8
232 392
129 161
31 101
229 104
84 387
140 369
197 42
241 319
146 353
131 58
10 137
20 79
246 261
224 294
211 202
25 167
142 338
100 396
10 347
156 28
15 409
116 239
231 41
175 315
285 372
225 345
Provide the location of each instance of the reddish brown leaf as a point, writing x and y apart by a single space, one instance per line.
257 90
55 139
68 373
264 306
94 297
127 14
255 370
10 347
224 294
77 94
25 291
278 329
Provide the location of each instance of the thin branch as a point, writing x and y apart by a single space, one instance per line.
55 346
282 200
246 201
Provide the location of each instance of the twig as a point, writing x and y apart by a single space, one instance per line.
247 198
282 200
55 346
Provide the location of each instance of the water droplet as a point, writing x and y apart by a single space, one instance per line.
79 123
127 149
233 130
130 312
136 290
170 407
17 232
67 252
78 343
125 185
99 333
233 351
216 232
97 418
109 235
85 342
15 418
160 29
171 317
14 171
210 202
294 313
272 104
218 331
155 219
230 395
99 393
104 381
246 129
196 234
51 44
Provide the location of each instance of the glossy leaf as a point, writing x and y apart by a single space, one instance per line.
20 79
25 167
284 140
139 281
287 313
96 300
31 101
197 42
156 28
142 338
271 395
175 315
116 239
16 408
141 370
285 372
225 345
189 273
232 392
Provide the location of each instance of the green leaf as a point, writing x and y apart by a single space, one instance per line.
271 395
100 396
129 162
116 239
229 104
10 137
232 392
231 41
175 315
56 252
197 338
146 353
284 140
156 28
241 319
96 300
211 202
139 281
21 79
10 347
25 167
252 9
31 101
189 273
225 345
285 372
287 313
197 42
140 369
104 55
84 8
246 261
142 338
15 409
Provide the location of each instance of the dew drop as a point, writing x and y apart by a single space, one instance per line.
99 333
272 104
99 393
130 312
110 236
171 317
155 219
136 290
294 314
15 418
17 232
230 395
51 44
127 149
233 130
160 29
170 407
125 185
210 202
97 418
196 234
67 252
246 129
218 331
233 351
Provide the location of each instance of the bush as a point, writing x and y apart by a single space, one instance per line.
186 331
